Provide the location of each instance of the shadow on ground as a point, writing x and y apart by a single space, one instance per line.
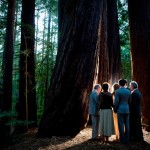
82 141
90 145
30 141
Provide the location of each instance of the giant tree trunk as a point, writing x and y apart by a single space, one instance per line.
66 109
113 42
27 92
8 57
109 59
103 72
139 21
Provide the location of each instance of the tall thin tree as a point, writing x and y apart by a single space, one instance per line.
27 93
8 57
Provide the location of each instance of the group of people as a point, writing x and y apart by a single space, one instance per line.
117 113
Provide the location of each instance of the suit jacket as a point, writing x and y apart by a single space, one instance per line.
135 104
94 103
122 98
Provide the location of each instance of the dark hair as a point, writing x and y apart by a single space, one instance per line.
115 87
126 81
122 82
105 86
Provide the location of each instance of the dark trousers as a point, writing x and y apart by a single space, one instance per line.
123 123
95 126
136 127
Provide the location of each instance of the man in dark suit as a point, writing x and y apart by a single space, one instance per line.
135 113
94 110
121 107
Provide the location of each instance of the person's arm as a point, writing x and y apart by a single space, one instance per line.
95 97
116 103
133 98
99 99
130 99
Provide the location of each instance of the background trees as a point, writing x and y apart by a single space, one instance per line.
124 39
27 90
8 58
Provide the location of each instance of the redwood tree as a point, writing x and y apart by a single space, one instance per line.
6 101
139 21
8 57
109 59
113 42
27 93
103 72
66 107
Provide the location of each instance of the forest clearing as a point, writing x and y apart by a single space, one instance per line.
56 56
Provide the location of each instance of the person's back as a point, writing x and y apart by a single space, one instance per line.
136 98
106 113
121 107
135 113
107 102
122 98
93 110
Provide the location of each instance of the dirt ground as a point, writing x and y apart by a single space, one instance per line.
82 141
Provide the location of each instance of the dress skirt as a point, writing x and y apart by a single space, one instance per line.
106 122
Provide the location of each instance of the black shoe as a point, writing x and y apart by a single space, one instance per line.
95 139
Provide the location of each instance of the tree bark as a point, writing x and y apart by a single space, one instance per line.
8 57
139 22
103 75
113 42
66 109
27 92
110 58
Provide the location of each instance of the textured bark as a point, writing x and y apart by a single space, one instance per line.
109 59
139 21
64 8
113 42
27 108
8 57
103 75
66 109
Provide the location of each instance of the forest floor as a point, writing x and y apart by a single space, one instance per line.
82 141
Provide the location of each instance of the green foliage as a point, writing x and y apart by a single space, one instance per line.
10 119
124 39
46 42
3 13
8 114
19 123
45 50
